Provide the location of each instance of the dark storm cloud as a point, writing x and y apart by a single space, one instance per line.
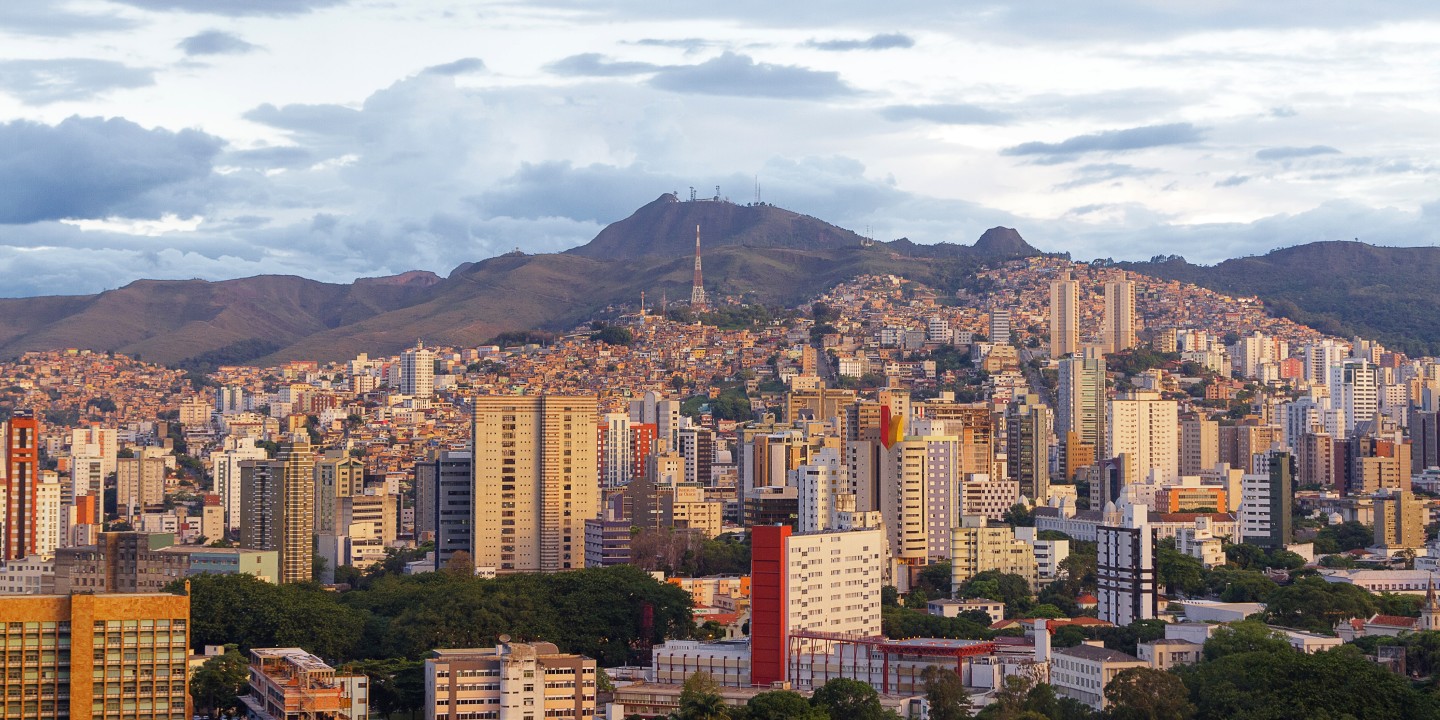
886 41
1109 141
947 114
1290 153
597 65
92 168
740 75
41 82
235 8
457 67
215 42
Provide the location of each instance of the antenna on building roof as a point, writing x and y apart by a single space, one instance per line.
692 193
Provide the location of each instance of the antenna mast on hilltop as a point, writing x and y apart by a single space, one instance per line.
697 288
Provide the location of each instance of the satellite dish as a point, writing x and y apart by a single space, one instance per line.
504 639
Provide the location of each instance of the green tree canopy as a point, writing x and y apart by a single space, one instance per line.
1147 694
946 694
1242 637
850 699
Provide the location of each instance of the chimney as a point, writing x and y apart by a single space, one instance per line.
1042 640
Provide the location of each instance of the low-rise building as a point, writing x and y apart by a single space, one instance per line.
1083 671
291 684
510 680
953 608
1167 653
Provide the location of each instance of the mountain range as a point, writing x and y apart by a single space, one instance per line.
758 251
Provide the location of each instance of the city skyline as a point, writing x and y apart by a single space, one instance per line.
342 139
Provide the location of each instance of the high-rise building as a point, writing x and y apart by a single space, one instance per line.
920 497
1064 316
1028 432
96 442
21 478
49 514
1399 521
1081 399
1118 330
1000 326
822 582
613 451
1125 566
1199 445
1265 504
225 469
1142 429
139 482
534 481
278 511
819 484
1354 392
663 414
697 446
119 562
92 655
335 478
452 475
515 680
417 371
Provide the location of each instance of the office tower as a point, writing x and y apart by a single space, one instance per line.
534 481
21 478
977 548
1125 566
417 371
278 510
663 414
1399 521
999 326
1142 429
93 655
1028 432
819 582
1064 316
453 477
920 497
1118 330
1354 393
1081 400
697 446
1425 441
139 482
510 670
225 468
1265 504
697 286
1199 445
335 478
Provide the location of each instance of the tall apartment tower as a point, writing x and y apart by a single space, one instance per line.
920 496
335 478
1081 406
1125 566
1064 316
1199 445
663 414
1000 326
1355 392
21 480
1141 428
278 510
1266 503
1400 521
1118 331
697 288
452 475
535 470
1029 429
139 482
225 469
417 371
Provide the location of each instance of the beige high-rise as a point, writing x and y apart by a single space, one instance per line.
1064 316
278 511
535 481
1118 332
1143 429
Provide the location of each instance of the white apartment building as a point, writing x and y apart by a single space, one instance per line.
512 681
1143 429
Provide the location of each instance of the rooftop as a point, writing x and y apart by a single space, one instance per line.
1098 654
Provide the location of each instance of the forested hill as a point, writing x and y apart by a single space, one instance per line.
1340 288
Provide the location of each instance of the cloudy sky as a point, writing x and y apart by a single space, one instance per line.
344 138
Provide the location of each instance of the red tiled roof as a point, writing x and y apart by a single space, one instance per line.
1392 621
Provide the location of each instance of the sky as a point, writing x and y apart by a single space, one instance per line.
336 139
